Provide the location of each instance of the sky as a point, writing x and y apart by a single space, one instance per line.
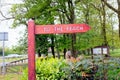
5 25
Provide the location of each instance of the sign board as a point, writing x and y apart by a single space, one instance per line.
61 28
97 51
105 50
3 36
101 50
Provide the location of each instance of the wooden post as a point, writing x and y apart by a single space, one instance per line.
31 50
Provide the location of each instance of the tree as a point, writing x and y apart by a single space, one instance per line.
91 12
117 11
66 8
28 9
42 44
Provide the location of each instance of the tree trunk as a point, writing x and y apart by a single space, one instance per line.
115 10
39 53
73 45
87 22
57 49
119 24
64 51
83 52
58 54
104 25
68 11
71 20
118 1
88 51
52 46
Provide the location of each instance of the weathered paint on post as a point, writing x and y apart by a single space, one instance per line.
31 50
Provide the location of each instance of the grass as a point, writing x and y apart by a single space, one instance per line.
11 76
13 73
115 53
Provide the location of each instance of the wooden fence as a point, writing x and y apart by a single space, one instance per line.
14 63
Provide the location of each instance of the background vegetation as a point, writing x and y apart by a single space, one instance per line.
101 15
60 69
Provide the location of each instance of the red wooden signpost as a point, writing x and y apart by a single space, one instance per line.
61 28
47 29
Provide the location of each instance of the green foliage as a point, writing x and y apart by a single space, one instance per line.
74 70
59 69
39 8
115 52
49 69
18 12
62 41
7 51
42 43
21 48
25 74
108 68
59 11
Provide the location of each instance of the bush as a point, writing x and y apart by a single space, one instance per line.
49 69
108 69
59 69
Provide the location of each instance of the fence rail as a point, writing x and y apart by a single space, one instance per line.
18 62
14 63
